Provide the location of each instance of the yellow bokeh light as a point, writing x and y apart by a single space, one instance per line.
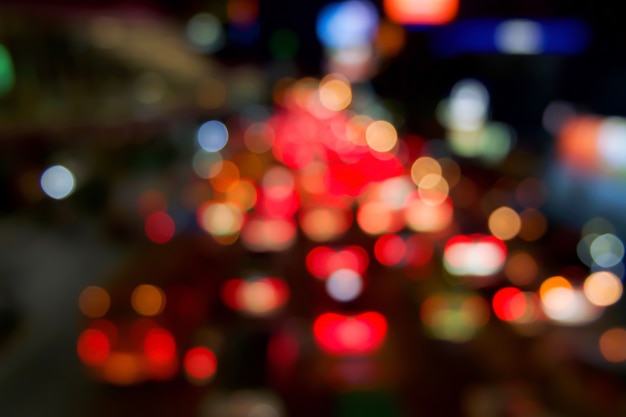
433 189
243 194
375 218
381 136
304 92
504 223
148 300
335 92
221 219
258 297
356 129
94 302
424 166
422 217
603 288
557 295
554 283
613 345
321 224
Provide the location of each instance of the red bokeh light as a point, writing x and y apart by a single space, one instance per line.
419 250
277 207
93 347
160 351
350 335
200 363
390 249
509 304
160 227
323 260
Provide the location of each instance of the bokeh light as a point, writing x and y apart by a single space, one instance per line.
509 304
521 268
205 32
257 296
148 300
322 224
381 136
565 304
243 194
504 223
160 227
322 261
519 36
361 334
203 163
390 249
423 217
476 254
344 285
421 12
259 137
335 92
7 72
612 345
159 347
220 219
94 302
57 182
433 189
454 317
93 347
268 235
607 250
376 218
200 363
468 105
212 136
610 140
603 288
347 24
124 368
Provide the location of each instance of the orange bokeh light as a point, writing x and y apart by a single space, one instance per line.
421 12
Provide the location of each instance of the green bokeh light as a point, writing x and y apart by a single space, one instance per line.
7 75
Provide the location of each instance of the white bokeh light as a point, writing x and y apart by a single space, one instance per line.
344 285
58 182
212 136
519 36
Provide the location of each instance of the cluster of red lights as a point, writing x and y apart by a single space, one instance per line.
321 171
